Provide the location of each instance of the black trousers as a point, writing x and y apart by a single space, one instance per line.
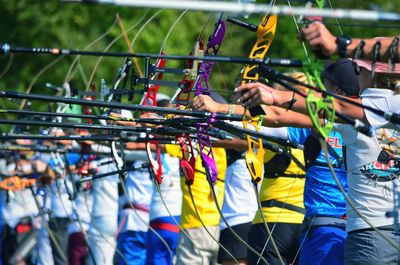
15 242
58 227
286 237
233 245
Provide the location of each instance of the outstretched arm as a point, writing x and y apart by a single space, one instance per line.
275 116
254 94
321 39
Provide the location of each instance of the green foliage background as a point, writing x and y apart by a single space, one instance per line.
51 23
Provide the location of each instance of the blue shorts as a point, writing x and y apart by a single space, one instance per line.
157 252
322 245
132 245
367 247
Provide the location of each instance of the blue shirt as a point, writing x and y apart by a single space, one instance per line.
321 193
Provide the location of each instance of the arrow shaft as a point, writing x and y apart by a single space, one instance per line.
133 107
99 176
75 125
5 48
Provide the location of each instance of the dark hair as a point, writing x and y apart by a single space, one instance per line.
163 103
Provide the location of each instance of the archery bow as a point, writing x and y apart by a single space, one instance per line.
266 41
197 80
254 156
265 34
314 104
16 183
255 152
188 160
150 98
202 87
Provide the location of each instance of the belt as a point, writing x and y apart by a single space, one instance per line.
282 175
325 165
136 207
165 226
384 228
23 228
287 206
325 221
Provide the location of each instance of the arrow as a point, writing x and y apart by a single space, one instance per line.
97 138
175 121
99 176
6 48
157 130
135 107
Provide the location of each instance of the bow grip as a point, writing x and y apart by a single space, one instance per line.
311 19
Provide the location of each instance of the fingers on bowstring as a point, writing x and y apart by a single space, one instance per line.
312 36
249 98
244 88
243 97
195 103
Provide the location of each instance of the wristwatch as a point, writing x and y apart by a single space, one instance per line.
342 43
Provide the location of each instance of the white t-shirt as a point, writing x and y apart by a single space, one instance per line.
81 215
371 195
139 188
61 206
240 203
105 201
20 203
170 189
381 99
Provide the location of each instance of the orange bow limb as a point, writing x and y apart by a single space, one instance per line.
16 183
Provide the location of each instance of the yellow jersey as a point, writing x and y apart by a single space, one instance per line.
202 195
282 189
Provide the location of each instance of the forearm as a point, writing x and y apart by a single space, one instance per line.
290 100
280 117
350 109
368 49
322 40
231 109
282 99
235 144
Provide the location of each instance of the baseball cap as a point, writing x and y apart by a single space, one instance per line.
342 73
